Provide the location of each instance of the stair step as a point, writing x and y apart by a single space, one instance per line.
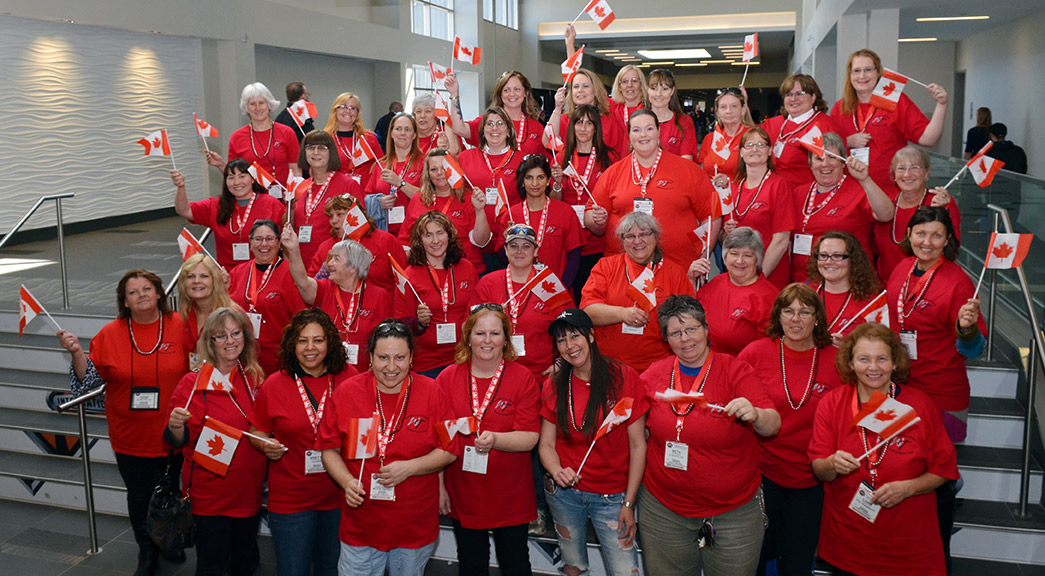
52 422
35 352
992 531
60 470
83 325
32 442
993 381
994 473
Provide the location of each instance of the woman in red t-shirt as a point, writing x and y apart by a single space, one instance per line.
586 88
678 135
842 275
303 502
797 350
398 177
513 94
431 131
489 488
319 157
806 110
577 400
201 291
732 120
353 140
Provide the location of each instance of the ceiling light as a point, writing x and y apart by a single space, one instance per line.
933 39
728 47
631 60
716 61
690 64
604 51
669 63
744 63
951 18
677 54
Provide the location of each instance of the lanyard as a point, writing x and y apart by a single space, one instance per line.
589 166
637 171
544 219
479 410
314 414
387 433
781 137
811 208
493 172
841 311
444 294
920 286
349 319
515 308
250 292
739 215
242 221
680 418
861 123
312 202
347 152
521 135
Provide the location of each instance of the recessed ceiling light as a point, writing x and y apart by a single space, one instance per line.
933 39
690 64
677 54
631 60
621 56
668 63
951 18
717 61
731 46
604 51
744 63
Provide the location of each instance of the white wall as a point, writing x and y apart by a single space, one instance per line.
930 62
1003 71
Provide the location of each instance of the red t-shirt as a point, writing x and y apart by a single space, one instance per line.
887 235
426 143
716 442
681 142
939 370
908 531
736 315
139 432
767 209
279 409
238 494
274 150
706 161
890 131
528 137
339 185
614 133
380 523
484 170
277 300
380 244
531 321
842 307
607 285
504 496
461 214
356 315
784 457
345 145
462 282
574 195
407 171
792 161
682 195
606 471
848 211
557 233
205 213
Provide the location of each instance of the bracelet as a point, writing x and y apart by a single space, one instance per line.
629 504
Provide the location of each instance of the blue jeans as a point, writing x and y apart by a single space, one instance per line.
570 510
367 561
306 542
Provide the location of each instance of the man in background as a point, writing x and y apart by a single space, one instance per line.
1013 156
295 91
381 130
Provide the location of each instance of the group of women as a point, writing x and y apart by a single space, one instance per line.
426 367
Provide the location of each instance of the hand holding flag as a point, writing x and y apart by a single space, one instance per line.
886 417
438 74
643 290
876 310
572 65
217 445
547 286
402 282
204 130
447 429
681 399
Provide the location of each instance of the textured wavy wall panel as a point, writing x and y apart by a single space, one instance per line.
76 100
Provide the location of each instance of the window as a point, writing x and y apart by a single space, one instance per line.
503 12
433 18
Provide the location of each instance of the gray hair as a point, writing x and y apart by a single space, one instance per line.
745 237
832 142
675 306
253 91
426 99
637 219
356 256
912 153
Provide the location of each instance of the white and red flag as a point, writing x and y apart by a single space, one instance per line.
465 52
554 143
362 153
1008 250
438 74
572 65
719 147
643 290
211 379
28 308
884 416
618 415
454 172
355 224
681 399
156 144
361 437
701 234
447 429
216 446
983 169
600 12
887 92
302 111
442 112
189 245
877 310
548 287
813 140
502 199
750 47
203 129
400 276
261 176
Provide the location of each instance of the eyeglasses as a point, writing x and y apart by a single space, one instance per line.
486 306
912 169
753 145
340 107
835 257
690 332
264 239
795 94
804 313
389 327
640 236
495 124
237 335
312 147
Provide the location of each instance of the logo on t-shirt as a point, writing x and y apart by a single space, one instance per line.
274 297
819 389
664 183
366 312
551 230
835 211
456 214
924 304
673 140
758 206
504 407
463 285
738 313
539 306
904 444
417 424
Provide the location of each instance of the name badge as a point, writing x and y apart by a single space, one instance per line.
778 148
519 343
445 333
676 455
909 339
862 505
397 214
491 196
379 492
314 462
474 461
240 251
305 234
351 353
579 209
803 245
145 398
862 154
255 321
629 329
643 205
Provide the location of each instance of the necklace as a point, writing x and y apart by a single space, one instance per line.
569 392
159 337
738 214
896 212
874 461
809 384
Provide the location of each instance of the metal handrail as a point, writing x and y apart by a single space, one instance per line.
1037 357
85 457
61 235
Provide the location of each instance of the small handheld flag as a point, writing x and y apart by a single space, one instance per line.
447 429
28 308
643 290
600 12
465 52
618 415
887 92
572 65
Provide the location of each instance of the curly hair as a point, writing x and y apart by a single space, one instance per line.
417 255
335 359
463 350
803 294
874 332
863 280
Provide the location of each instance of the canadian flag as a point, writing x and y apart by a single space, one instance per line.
554 143
618 415
1008 250
362 153
28 308
887 92
877 310
885 416
750 47
681 399
442 112
156 144
725 199
600 12
361 437
302 111
211 378
216 446
719 147
548 287
298 186
203 129
355 224
983 170
447 429
438 74
400 276
465 52
701 234
454 172
188 244
261 176
643 290
813 140
572 65
502 199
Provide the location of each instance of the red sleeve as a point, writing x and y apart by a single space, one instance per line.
205 212
909 119
783 218
473 128
527 415
290 139
705 146
262 420
689 136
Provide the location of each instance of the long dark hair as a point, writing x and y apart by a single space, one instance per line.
529 163
334 362
598 146
606 384
227 202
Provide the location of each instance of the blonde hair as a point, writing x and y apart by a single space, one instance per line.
248 357
602 100
644 88
219 297
357 127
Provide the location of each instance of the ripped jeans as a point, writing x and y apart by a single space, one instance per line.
570 510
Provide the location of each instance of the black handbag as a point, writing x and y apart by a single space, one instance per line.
169 521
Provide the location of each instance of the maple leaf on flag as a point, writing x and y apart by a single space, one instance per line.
888 89
720 145
983 166
1003 251
818 141
157 142
215 446
600 12
748 46
649 286
466 50
878 317
548 286
350 220
727 199
886 415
